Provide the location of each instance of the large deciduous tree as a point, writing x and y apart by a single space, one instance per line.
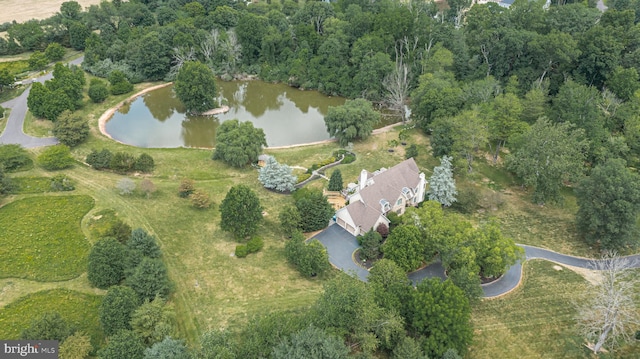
405 246
442 186
71 129
352 121
609 201
238 143
546 155
240 212
196 87
441 313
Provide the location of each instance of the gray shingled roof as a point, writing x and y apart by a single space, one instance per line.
386 185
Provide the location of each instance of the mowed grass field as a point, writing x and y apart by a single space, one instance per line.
41 238
79 309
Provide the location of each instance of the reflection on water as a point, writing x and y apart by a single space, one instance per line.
288 116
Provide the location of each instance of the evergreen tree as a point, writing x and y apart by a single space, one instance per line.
442 186
106 266
70 129
276 176
335 182
314 208
124 344
116 309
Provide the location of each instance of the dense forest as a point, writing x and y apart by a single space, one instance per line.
557 84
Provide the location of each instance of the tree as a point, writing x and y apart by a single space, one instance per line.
6 79
390 285
608 312
314 208
70 10
442 186
276 176
311 259
70 129
126 186
78 34
119 84
124 344
397 85
121 162
153 321
144 163
119 230
469 133
289 220
148 187
56 158
352 121
106 267
215 344
437 96
609 204
311 343
505 122
200 199
495 253
99 160
238 143
335 182
240 212
150 279
441 313
38 61
186 188
76 346
546 155
168 348
370 244
116 309
195 86
408 348
140 245
406 247
623 82
98 91
411 152
48 326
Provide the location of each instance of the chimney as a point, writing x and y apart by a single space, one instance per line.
363 179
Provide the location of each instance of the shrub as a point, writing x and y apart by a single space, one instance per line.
144 163
200 199
121 162
241 251
126 186
99 160
467 201
119 230
255 244
55 158
98 91
186 188
371 242
412 152
303 177
61 183
14 157
49 326
383 230
147 187
54 52
119 83
310 259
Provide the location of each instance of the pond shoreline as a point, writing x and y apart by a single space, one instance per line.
108 114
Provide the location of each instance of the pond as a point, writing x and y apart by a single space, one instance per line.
287 115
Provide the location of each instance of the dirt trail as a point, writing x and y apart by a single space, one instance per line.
14 288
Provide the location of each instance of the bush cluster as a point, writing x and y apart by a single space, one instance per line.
254 245
14 157
120 162
349 157
321 164
55 158
303 177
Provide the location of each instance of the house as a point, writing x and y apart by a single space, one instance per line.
381 192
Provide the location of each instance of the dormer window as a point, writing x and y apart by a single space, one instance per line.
407 193
386 207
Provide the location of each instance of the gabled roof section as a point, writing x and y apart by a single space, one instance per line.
387 186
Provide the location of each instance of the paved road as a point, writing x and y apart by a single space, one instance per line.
341 244
13 132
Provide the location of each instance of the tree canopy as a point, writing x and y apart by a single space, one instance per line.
238 143
240 212
352 121
195 86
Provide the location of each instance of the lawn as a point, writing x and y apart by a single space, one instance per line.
537 320
42 239
31 184
79 309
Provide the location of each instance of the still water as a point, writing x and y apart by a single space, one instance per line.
287 115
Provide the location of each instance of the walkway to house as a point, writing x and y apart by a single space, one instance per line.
341 245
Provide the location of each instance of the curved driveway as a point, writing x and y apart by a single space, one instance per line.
13 132
341 244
